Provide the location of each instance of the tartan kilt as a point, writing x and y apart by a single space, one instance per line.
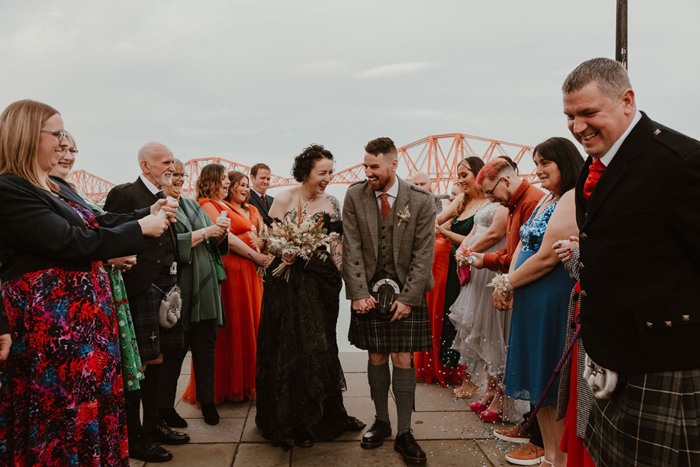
144 313
407 335
652 420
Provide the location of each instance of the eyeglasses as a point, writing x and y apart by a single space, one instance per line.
178 175
490 192
60 134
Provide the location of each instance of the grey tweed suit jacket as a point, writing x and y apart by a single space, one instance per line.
413 241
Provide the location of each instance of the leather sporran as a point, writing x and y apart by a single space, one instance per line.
385 290
170 307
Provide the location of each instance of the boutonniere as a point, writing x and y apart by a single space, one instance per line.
404 215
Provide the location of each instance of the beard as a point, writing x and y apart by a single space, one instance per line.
166 179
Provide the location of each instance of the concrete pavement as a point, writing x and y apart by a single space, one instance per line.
446 429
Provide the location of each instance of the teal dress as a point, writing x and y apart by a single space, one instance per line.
448 356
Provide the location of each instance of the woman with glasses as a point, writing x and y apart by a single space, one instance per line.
200 244
61 389
130 358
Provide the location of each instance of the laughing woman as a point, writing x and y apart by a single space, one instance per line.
300 382
61 390
200 243
241 291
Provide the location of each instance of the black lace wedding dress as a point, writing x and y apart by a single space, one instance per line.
299 382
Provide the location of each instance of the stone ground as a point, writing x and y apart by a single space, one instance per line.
446 429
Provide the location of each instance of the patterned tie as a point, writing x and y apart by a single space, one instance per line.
594 173
264 200
385 205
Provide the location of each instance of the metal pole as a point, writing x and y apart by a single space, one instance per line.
621 33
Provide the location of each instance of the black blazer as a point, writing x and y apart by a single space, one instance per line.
256 201
159 252
40 231
640 254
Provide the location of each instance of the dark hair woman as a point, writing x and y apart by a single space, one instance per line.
61 389
241 291
461 214
300 381
541 287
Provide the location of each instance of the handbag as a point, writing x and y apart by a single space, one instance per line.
218 265
463 273
170 306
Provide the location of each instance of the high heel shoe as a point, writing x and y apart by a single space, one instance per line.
488 416
478 406
462 394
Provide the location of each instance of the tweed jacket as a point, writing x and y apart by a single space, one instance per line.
412 244
640 255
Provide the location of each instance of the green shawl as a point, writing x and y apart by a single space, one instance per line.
201 294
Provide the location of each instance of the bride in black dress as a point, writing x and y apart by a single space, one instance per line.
299 381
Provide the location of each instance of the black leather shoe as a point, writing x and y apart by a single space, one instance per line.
211 415
160 433
172 418
406 445
141 447
303 439
374 437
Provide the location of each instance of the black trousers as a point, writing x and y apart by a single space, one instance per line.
201 338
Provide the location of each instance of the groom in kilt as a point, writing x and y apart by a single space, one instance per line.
388 240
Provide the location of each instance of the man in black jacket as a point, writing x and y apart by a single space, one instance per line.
260 180
636 207
146 283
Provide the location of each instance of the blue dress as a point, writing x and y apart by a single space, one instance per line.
538 322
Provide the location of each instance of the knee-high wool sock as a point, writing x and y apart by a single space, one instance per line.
404 386
379 379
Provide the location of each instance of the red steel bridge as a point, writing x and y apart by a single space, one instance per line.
436 155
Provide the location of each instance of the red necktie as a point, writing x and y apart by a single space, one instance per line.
385 205
594 173
264 200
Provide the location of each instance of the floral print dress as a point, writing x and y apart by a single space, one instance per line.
61 393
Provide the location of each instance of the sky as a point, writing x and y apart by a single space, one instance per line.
257 81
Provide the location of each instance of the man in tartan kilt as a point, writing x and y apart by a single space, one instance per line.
388 241
637 210
146 283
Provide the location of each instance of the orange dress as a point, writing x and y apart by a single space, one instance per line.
242 299
429 368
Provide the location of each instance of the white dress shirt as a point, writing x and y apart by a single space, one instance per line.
153 189
608 157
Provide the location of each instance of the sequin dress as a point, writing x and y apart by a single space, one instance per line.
538 322
62 398
481 329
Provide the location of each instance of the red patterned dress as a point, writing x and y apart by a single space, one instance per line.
61 400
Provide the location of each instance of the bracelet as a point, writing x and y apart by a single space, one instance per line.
204 236
501 283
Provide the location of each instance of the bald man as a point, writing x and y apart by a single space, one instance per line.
422 180
154 274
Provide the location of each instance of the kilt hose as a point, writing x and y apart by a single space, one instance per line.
411 334
652 420
151 338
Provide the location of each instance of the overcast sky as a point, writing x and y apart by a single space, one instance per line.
259 80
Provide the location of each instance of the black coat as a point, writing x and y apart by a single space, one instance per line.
640 254
159 252
256 201
40 231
